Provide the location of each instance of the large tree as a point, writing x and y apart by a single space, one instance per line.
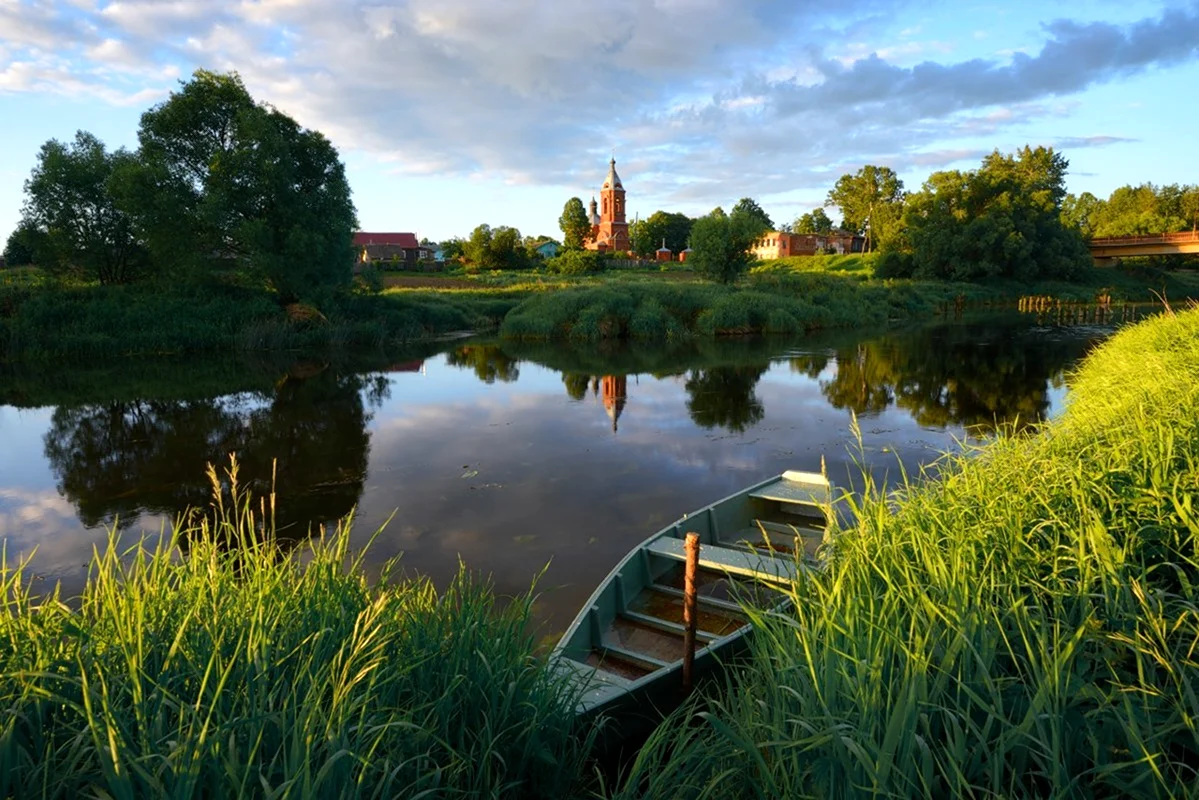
749 207
1001 220
720 243
223 181
23 245
576 227
69 207
495 248
871 203
815 221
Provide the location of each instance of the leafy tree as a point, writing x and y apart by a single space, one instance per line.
68 198
23 245
453 248
815 221
661 226
871 203
1081 212
489 362
750 207
224 181
720 243
1002 220
575 225
1145 209
495 248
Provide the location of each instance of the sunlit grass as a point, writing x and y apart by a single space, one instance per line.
1027 625
216 663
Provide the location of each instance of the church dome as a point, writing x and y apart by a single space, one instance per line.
613 180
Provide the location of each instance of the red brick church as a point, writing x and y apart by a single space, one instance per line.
609 230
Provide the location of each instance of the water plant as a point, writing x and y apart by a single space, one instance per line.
1025 625
214 661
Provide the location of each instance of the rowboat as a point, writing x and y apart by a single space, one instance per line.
624 650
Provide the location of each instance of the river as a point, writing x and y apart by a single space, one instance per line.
508 457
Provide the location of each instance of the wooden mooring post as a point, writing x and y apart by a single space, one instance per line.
691 549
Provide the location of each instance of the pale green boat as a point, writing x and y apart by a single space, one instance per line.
625 647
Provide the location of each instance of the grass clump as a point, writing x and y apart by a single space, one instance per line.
1026 625
215 663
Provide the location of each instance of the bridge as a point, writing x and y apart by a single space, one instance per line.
1108 248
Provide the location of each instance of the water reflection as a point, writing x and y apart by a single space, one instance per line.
981 377
506 455
308 435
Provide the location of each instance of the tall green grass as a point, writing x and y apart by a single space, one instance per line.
1026 625
213 663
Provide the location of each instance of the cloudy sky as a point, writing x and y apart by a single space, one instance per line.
450 113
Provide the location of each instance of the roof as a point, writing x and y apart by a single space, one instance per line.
406 240
613 180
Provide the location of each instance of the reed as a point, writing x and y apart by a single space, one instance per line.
1025 625
214 662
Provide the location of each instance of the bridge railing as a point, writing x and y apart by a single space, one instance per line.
1183 237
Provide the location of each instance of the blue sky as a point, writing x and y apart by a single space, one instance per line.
450 113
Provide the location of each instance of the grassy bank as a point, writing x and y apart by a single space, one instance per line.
41 322
44 320
241 670
1026 626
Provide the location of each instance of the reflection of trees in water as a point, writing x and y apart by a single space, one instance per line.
116 460
489 362
724 396
576 384
953 376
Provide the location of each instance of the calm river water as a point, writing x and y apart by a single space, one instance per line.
506 456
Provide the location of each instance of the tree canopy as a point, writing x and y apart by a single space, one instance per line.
661 226
1001 220
749 207
23 245
68 203
720 243
495 248
815 221
222 181
871 203
576 227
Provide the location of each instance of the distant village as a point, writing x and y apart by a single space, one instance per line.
610 232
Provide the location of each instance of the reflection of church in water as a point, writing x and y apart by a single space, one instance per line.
613 390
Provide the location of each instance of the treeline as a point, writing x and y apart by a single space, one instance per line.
1134 210
219 184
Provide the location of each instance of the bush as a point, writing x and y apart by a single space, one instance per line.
893 264
577 262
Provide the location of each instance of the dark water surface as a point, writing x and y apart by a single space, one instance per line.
506 456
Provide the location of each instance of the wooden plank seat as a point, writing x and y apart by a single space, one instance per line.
797 488
734 562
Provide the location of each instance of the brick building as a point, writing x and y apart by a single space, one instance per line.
609 228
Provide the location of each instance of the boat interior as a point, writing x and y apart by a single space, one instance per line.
634 625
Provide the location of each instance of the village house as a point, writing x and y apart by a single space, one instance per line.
781 244
399 248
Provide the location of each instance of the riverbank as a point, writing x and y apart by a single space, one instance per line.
1025 626
43 320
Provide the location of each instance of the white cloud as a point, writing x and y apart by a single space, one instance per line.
706 99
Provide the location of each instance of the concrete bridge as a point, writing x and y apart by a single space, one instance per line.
1107 249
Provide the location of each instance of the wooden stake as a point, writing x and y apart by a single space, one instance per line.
691 548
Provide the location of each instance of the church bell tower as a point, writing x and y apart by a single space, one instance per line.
613 233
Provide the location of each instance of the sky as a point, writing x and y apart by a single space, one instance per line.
452 113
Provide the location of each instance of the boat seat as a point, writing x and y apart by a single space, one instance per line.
598 686
797 488
734 562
